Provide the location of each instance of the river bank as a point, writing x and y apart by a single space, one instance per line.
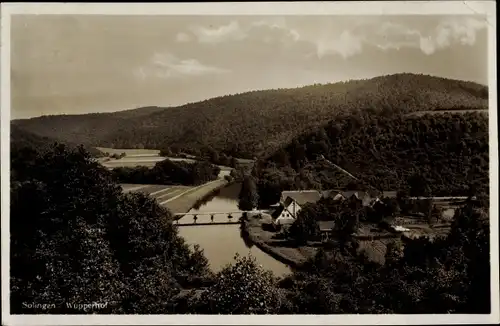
195 196
283 250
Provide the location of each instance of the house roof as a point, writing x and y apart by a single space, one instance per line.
357 193
326 225
301 197
277 212
330 192
389 194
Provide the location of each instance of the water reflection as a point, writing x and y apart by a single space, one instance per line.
221 242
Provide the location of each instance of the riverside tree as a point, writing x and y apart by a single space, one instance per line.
248 198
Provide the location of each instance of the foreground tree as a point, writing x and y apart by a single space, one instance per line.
81 239
242 288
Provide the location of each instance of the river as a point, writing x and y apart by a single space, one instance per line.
221 242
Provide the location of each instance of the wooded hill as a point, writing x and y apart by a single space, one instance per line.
439 154
259 122
20 139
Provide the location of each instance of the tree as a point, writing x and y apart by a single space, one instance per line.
435 214
242 288
233 162
305 225
346 223
248 197
418 185
391 207
269 192
166 152
394 252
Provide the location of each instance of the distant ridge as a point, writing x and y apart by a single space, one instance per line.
258 122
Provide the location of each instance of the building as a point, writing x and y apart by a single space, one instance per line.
366 198
326 229
291 203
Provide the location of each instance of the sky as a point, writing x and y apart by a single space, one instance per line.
72 64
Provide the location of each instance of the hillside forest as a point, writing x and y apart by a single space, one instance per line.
258 123
434 154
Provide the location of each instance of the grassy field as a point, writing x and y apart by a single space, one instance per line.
280 249
148 158
178 199
130 152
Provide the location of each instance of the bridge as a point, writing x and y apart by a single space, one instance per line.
208 218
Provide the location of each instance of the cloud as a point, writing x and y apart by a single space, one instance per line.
234 31
392 36
224 33
345 45
278 25
183 37
347 41
167 66
450 31
453 31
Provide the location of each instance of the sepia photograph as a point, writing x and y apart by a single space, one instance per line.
307 163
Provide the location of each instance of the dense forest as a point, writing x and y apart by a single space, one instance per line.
76 237
168 172
20 139
260 122
434 154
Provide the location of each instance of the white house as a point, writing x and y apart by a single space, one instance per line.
291 203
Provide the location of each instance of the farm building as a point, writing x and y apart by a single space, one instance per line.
365 198
326 228
290 204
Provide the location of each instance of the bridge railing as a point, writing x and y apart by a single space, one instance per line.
232 217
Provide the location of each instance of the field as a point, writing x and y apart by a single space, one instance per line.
130 152
178 199
149 157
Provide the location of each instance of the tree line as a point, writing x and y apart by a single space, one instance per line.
209 154
168 172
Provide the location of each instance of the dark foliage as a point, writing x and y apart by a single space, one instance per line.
443 154
248 197
21 139
75 237
168 172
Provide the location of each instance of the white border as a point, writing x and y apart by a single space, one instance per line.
269 8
